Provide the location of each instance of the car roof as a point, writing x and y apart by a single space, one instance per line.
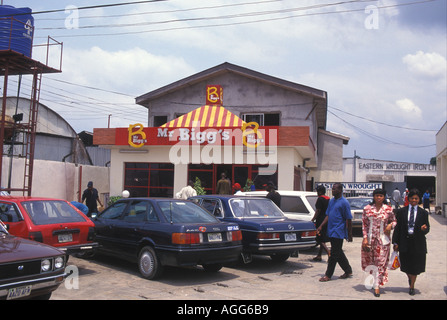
284 192
26 198
226 196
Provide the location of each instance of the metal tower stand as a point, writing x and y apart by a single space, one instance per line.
13 63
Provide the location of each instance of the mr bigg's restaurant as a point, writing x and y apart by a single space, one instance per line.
207 141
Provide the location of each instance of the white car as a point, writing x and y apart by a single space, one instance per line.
298 205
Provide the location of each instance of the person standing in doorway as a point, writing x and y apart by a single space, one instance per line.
409 238
339 227
91 196
426 201
223 185
396 198
318 218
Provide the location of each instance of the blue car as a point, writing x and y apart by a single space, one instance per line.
265 229
166 232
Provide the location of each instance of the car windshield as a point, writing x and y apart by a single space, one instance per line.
254 208
185 212
51 211
359 203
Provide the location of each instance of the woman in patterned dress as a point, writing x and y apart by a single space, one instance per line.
378 221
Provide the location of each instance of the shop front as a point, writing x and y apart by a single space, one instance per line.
203 144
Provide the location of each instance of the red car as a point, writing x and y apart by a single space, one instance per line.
51 221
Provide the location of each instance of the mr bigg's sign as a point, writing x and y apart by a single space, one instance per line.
249 135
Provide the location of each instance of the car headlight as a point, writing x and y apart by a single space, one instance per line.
59 262
45 265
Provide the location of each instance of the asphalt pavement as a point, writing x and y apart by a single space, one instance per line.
104 278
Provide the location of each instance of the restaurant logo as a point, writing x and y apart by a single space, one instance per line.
251 137
137 138
214 95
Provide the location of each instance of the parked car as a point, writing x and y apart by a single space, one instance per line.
166 232
265 229
51 221
299 205
357 204
28 269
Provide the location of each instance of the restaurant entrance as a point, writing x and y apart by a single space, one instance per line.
209 175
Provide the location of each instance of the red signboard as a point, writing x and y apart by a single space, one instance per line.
214 95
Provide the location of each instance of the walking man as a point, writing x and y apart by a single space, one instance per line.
339 227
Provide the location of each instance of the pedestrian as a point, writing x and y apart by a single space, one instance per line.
236 188
396 198
223 185
426 201
320 213
91 196
339 227
377 222
187 191
405 197
409 238
80 206
273 194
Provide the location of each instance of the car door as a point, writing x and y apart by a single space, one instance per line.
213 206
106 224
13 219
131 227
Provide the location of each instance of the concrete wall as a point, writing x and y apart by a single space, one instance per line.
57 179
441 165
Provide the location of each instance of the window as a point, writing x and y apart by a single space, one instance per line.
263 119
140 211
213 206
160 120
114 212
149 179
8 213
293 204
50 212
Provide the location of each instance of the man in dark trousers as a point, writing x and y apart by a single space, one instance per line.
90 196
339 227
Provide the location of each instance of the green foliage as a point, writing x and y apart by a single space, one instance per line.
248 184
198 187
113 199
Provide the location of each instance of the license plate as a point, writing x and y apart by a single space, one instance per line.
290 236
212 237
67 237
19 292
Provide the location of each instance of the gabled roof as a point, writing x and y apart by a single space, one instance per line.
229 68
206 116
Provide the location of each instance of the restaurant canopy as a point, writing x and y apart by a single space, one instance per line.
206 116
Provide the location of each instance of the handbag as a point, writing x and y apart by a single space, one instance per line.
394 261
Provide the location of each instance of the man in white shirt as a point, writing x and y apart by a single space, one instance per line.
186 192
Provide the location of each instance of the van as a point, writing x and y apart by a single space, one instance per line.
298 205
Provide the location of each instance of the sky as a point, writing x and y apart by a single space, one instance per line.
382 63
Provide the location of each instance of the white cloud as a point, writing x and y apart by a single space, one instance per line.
409 109
432 65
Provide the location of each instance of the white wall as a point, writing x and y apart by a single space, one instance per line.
57 179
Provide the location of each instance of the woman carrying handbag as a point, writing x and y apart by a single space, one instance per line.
378 221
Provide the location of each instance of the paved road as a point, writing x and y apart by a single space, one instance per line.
107 278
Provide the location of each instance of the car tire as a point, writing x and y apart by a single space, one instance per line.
148 263
214 267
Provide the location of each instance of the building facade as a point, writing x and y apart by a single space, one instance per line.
227 119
